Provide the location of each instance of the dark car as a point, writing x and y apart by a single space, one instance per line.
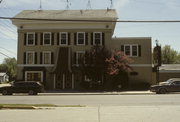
30 87
171 85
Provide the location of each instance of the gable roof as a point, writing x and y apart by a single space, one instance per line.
2 73
99 14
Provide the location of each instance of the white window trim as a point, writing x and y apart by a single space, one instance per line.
100 38
33 52
33 39
43 56
26 72
50 38
131 45
66 38
77 63
84 38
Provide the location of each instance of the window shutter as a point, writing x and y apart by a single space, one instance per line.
139 50
86 39
35 58
103 38
25 38
52 58
122 48
69 39
24 58
58 39
91 38
41 38
52 39
75 38
75 58
36 38
40 57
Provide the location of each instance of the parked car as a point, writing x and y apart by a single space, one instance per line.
171 85
30 87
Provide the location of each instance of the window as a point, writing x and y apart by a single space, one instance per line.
47 38
46 57
30 38
29 57
131 50
63 38
80 57
97 38
34 76
81 38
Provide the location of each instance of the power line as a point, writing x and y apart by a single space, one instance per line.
5 55
79 20
8 50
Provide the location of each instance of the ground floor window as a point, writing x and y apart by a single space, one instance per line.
34 76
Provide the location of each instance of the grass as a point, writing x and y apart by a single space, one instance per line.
33 106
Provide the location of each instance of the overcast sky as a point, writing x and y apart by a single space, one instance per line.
166 33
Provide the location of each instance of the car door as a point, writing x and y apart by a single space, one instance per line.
175 86
19 87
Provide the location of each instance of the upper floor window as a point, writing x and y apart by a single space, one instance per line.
30 57
81 38
30 38
63 38
131 50
97 38
47 38
46 57
80 59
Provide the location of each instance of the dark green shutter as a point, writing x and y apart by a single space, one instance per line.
24 58
122 48
86 39
35 59
52 38
25 37
139 50
52 58
75 58
58 39
36 38
75 38
91 38
69 39
40 57
103 38
41 39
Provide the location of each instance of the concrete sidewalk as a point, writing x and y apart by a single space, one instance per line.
99 93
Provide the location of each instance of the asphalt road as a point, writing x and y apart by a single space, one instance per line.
94 100
99 108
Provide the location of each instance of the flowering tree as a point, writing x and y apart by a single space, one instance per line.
118 62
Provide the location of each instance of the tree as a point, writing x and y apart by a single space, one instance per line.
100 63
118 68
9 66
169 55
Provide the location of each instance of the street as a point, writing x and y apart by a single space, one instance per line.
98 108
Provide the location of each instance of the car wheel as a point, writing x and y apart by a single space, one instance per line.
162 91
4 92
31 92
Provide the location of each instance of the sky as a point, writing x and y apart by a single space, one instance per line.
165 33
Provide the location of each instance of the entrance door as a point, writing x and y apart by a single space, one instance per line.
64 81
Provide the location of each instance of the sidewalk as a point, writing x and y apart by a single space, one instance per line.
98 93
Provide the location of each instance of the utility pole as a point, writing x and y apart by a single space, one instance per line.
89 5
111 7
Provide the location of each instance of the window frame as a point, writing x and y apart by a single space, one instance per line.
49 39
131 50
100 38
43 56
32 52
27 39
61 38
79 52
26 74
83 39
